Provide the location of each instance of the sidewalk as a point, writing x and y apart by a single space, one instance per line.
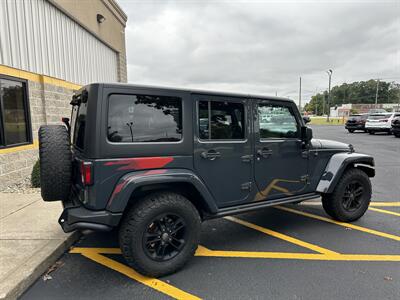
30 240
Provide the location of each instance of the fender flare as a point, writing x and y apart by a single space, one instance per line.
131 181
336 166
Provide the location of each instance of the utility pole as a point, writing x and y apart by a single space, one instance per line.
323 105
300 96
329 93
376 95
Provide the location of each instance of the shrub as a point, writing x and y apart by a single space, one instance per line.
35 176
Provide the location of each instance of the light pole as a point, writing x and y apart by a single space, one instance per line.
376 94
300 96
329 72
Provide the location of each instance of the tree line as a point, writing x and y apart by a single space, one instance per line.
357 92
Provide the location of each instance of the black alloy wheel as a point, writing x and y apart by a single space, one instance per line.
352 196
164 237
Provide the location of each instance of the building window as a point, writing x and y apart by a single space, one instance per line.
14 113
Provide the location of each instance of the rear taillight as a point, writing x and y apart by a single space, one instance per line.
87 173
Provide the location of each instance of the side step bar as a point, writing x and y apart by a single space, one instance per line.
257 205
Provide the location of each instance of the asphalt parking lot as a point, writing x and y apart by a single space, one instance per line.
290 252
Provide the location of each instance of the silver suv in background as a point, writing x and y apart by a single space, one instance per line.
380 122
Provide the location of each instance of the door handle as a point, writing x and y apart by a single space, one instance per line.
264 152
210 154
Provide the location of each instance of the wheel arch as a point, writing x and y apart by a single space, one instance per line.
136 185
338 164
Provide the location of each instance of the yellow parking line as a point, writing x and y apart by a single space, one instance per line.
348 225
374 204
282 236
95 250
202 251
156 284
392 204
385 211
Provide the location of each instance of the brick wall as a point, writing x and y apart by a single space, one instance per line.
48 103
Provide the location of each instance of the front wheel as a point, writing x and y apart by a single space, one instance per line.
350 198
160 234
351 130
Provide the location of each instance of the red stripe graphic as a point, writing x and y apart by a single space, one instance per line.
140 163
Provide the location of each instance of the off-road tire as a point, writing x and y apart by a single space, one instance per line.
333 204
55 162
136 221
351 130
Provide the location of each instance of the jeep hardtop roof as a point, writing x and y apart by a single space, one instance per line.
192 91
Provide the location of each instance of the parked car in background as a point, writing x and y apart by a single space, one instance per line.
380 122
356 122
306 119
396 126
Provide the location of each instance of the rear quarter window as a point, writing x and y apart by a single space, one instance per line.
144 119
78 125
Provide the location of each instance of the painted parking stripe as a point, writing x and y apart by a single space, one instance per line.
384 211
387 204
156 284
202 251
347 225
373 204
281 236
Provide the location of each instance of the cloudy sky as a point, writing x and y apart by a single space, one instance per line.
261 46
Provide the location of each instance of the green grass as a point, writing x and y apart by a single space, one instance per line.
322 121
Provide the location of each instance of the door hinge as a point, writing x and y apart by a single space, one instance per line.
246 186
305 154
247 158
305 178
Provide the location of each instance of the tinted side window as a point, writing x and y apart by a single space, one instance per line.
80 126
277 122
221 120
143 118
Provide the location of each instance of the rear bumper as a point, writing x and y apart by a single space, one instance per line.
76 216
378 127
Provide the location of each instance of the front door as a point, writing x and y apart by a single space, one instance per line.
222 148
280 161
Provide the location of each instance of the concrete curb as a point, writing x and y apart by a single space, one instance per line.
21 279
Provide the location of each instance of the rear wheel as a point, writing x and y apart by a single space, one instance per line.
371 132
350 198
160 234
55 162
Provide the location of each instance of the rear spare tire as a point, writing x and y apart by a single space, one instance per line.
55 162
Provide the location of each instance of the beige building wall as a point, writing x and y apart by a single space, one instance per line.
49 100
49 97
111 31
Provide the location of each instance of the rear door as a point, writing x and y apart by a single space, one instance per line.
281 164
222 148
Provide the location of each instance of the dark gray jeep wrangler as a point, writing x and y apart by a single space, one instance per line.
155 162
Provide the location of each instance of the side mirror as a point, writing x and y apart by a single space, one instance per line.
306 119
306 134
